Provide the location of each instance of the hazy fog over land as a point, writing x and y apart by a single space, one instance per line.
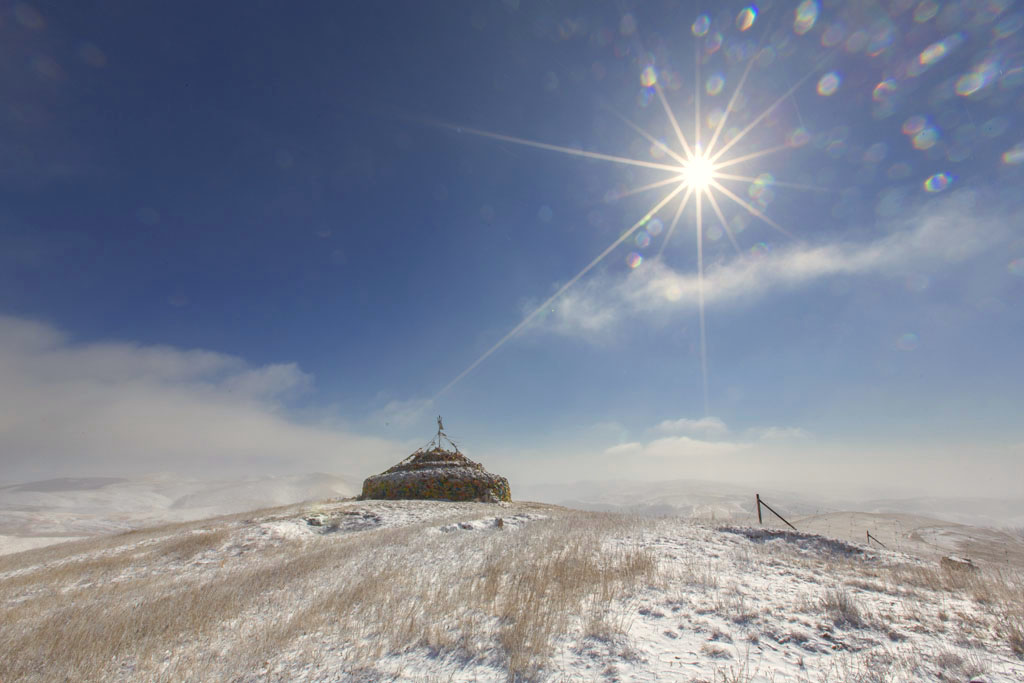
281 241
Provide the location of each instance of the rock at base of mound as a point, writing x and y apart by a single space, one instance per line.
437 475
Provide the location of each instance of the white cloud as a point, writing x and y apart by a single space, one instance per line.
675 447
113 407
948 232
709 426
629 448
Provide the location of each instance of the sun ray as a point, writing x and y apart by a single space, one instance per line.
725 224
561 290
672 119
696 104
752 155
700 301
558 148
762 115
751 208
649 186
780 183
650 138
728 108
675 221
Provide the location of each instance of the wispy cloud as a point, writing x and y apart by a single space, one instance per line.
402 413
115 407
674 447
944 233
708 426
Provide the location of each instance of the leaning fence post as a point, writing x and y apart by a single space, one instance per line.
758 499
771 510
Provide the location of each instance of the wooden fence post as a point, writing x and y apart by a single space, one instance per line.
761 502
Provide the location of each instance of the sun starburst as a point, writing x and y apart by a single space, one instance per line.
699 171
694 172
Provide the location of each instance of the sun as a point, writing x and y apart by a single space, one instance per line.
699 172
694 172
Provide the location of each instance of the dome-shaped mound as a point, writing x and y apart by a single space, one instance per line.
437 474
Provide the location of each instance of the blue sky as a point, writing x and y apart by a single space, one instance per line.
272 238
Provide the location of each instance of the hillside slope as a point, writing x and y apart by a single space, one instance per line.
428 591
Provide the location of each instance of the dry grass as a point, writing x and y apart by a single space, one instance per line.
842 609
224 601
145 607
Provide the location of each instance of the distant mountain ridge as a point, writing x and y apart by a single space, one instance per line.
708 499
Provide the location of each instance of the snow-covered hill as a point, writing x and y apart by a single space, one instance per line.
430 591
42 512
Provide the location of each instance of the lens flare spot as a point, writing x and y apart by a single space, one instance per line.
806 15
1012 78
907 341
1008 26
760 185
828 84
883 90
627 25
856 42
642 239
881 38
836 149
701 25
938 182
714 42
934 53
760 250
833 35
876 153
745 19
714 233
926 139
995 126
914 125
977 78
633 259
673 293
655 227
1016 267
715 84
968 84
1014 155
798 137
925 10
648 77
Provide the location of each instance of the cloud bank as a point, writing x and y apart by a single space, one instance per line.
946 233
114 408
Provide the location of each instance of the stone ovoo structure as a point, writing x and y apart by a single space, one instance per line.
436 473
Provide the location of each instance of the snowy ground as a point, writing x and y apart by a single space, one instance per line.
423 591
